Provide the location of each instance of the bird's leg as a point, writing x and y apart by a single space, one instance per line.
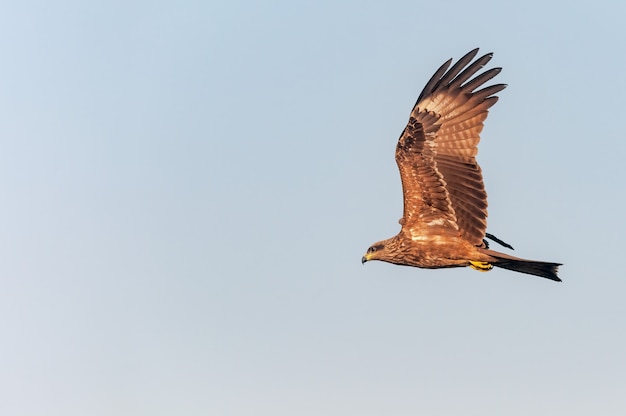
481 266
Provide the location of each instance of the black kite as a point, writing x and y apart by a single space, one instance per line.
445 203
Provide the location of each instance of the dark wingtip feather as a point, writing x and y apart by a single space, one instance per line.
434 80
443 75
454 77
497 240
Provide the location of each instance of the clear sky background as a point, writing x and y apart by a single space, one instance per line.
188 188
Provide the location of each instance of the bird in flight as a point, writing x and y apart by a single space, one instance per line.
445 204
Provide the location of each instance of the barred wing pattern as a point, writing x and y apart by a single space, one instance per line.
442 183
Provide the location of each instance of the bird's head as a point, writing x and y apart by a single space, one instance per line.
377 251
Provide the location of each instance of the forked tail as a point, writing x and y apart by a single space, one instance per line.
536 268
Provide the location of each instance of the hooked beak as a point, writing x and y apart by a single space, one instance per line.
364 259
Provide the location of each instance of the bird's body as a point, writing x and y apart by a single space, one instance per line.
445 203
433 252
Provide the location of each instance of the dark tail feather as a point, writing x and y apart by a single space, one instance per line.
537 268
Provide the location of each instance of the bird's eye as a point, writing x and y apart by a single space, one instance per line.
371 249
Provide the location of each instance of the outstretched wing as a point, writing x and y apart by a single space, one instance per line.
442 183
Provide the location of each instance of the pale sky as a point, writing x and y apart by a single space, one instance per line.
188 188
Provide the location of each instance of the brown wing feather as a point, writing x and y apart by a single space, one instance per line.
427 207
442 183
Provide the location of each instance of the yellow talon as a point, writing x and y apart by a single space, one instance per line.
481 266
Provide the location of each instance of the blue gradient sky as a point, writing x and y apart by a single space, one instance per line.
188 188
